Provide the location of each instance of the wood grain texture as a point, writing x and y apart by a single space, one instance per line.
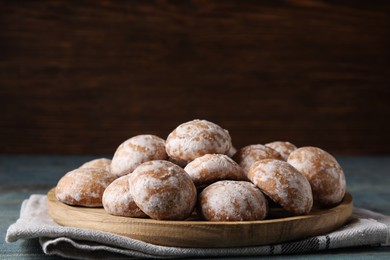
203 233
83 76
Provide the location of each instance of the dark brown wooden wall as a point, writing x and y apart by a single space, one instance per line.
83 76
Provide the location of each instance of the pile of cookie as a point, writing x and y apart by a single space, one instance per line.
197 169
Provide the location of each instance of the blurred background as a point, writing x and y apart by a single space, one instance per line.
80 77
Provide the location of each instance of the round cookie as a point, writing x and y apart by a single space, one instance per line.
232 201
163 190
118 201
283 148
283 184
83 187
101 163
137 150
196 138
249 154
324 173
210 168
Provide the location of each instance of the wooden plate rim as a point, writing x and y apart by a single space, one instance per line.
347 200
344 209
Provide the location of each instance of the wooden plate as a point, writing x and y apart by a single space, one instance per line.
193 233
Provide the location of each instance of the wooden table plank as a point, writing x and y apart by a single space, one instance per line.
83 76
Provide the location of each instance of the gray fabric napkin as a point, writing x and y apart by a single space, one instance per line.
366 228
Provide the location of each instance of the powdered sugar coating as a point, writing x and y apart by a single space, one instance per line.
247 155
324 173
163 190
232 201
210 168
118 201
283 184
195 138
101 163
83 187
232 151
282 147
137 150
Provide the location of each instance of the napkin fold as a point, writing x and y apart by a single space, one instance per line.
365 228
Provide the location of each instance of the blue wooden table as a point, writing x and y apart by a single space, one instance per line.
368 180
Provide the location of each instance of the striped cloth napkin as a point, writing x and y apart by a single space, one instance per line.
366 228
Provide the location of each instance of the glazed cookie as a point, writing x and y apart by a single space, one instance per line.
196 138
324 173
210 168
118 201
232 201
101 163
163 190
283 148
247 155
137 150
83 187
283 184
